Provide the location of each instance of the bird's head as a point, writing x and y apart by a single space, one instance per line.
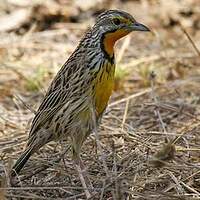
115 24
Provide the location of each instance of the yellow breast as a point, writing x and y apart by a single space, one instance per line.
103 87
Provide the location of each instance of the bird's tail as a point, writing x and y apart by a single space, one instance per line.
21 161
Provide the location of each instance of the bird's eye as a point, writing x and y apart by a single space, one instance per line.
116 21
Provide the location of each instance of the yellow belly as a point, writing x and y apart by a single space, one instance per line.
104 86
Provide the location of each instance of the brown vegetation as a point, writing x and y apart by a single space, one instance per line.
149 135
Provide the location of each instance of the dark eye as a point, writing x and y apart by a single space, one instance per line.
116 21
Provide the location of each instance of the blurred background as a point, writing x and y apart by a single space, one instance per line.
162 70
38 36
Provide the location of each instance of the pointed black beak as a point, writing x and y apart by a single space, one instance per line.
139 27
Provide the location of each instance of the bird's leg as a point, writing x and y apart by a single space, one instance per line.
85 181
84 172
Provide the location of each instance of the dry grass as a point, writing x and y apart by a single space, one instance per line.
148 144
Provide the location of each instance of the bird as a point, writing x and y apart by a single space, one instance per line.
79 93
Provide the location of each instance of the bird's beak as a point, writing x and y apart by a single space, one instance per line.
139 27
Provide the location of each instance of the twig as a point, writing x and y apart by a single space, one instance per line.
103 189
116 193
189 188
125 114
136 62
98 141
186 129
130 97
45 166
152 77
123 48
25 104
41 187
100 148
177 183
189 38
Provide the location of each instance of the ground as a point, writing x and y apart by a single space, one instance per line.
149 136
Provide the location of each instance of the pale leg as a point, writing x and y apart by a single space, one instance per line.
85 181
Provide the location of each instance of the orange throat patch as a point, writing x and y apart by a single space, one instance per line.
110 39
